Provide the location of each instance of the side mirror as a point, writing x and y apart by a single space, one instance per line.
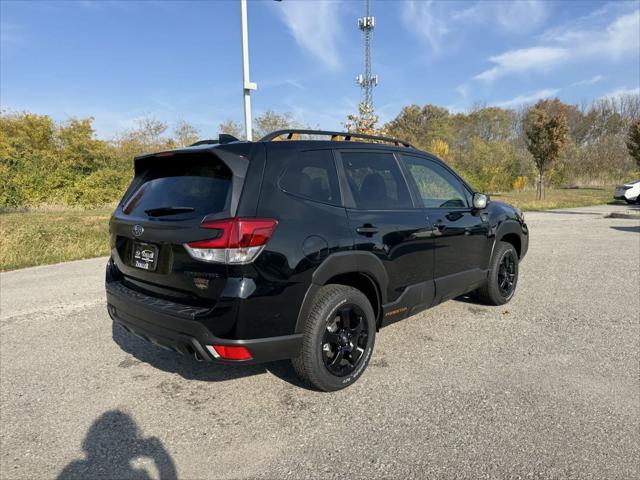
480 201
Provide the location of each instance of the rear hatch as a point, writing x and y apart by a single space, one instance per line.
171 195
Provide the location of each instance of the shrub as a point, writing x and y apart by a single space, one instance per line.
519 183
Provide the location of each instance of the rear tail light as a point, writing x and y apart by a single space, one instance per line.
227 352
239 242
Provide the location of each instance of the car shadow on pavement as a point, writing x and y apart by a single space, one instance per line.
112 444
635 229
188 368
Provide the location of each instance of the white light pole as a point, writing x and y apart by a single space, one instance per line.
247 86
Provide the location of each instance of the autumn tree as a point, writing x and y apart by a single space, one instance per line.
633 141
546 134
365 121
185 134
271 121
231 127
263 124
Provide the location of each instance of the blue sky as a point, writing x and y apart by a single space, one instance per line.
119 61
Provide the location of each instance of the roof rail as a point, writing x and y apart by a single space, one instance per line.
293 133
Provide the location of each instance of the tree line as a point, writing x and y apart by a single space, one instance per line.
548 144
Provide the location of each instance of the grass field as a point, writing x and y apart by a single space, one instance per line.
557 198
45 236
51 236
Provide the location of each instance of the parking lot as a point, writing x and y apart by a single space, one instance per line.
547 386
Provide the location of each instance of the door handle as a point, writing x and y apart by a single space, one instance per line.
367 229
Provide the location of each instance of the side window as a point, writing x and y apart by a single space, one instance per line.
375 181
312 175
438 187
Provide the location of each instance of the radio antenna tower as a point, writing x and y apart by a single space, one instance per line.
367 80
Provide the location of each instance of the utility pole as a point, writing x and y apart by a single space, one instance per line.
367 80
247 85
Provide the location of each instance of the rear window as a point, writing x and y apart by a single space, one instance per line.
181 186
376 181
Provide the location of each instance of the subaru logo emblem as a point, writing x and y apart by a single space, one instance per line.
138 230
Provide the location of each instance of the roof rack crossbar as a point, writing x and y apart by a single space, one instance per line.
290 132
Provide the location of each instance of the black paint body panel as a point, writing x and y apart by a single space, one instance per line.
415 257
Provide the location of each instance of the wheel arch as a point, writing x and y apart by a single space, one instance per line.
510 232
360 270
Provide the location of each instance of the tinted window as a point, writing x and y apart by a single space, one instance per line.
191 185
376 181
438 187
313 175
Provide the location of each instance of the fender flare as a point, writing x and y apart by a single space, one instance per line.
340 263
505 227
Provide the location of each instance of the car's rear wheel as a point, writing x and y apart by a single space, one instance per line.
503 276
339 335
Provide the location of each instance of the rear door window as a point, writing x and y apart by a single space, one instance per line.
313 175
376 181
196 184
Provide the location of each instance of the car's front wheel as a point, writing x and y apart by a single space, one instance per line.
503 276
339 335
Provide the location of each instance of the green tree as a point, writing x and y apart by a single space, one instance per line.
546 133
633 141
420 126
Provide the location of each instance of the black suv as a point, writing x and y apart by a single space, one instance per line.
242 252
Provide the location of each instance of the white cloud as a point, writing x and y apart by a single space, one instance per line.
316 28
524 99
589 81
436 22
619 38
522 16
422 19
618 92
516 61
462 90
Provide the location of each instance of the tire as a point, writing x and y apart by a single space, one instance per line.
335 351
630 202
492 292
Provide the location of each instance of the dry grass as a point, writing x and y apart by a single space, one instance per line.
557 198
52 235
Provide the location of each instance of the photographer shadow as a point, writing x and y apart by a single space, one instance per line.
112 444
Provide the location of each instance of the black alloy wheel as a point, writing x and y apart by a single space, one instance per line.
502 277
344 340
339 334
507 274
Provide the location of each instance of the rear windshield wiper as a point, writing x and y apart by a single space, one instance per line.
161 211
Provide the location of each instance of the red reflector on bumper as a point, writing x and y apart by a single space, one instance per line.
232 353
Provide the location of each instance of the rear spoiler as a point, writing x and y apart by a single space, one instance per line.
238 164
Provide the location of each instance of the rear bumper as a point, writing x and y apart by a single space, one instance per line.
164 324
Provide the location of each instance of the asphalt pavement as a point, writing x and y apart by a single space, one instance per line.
547 386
